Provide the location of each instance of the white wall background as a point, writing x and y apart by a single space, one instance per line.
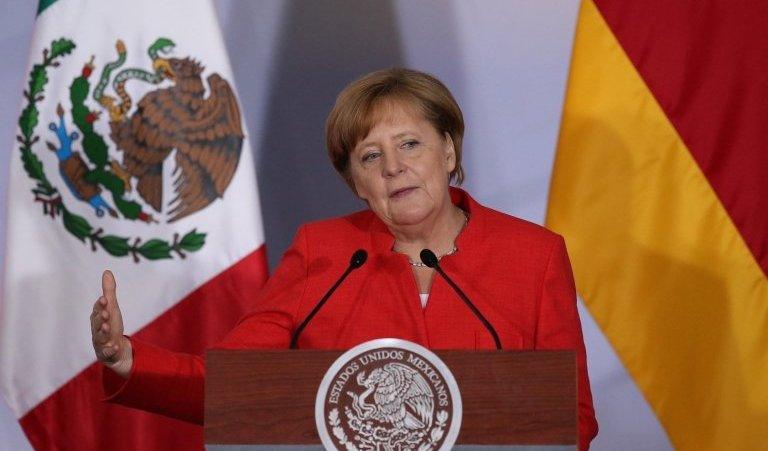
506 61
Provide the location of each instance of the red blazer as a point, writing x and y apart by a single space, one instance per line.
517 273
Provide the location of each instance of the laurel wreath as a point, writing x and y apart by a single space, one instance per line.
437 432
338 431
48 195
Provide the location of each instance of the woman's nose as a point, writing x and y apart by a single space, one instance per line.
392 165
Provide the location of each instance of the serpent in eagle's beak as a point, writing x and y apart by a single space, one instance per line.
162 67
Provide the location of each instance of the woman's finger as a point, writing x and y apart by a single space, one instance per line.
98 306
100 338
102 335
95 324
109 286
94 315
108 352
106 322
96 318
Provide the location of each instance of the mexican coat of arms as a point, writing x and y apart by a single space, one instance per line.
388 395
119 174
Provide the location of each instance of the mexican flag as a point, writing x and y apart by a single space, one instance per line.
131 154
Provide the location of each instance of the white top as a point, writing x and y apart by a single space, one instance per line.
424 297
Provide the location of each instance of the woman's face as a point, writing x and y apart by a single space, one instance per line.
401 169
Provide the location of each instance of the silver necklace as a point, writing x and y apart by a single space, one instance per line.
422 265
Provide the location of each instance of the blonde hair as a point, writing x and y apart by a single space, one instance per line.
355 112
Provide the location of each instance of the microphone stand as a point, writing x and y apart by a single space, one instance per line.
430 259
357 260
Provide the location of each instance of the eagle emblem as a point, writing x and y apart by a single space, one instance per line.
401 398
113 154
205 131
388 395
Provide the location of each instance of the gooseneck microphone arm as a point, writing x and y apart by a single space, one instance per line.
357 260
430 259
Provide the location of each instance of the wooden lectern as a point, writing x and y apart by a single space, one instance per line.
511 400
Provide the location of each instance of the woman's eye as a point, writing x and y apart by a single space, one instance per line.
370 156
410 144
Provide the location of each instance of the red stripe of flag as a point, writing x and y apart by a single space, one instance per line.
74 416
707 65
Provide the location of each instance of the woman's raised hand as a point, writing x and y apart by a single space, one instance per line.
111 347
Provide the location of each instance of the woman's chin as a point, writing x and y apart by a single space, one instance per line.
409 217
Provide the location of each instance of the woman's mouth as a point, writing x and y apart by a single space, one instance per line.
402 192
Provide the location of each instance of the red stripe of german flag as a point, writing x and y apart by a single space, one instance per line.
706 64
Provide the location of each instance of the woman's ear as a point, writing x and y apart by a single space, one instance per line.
450 153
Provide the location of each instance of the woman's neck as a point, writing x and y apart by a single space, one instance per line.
438 234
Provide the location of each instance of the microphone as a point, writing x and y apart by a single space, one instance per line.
358 259
430 259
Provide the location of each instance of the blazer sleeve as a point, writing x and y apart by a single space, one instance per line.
161 381
172 383
559 327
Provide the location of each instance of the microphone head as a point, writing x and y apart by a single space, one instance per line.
358 258
428 258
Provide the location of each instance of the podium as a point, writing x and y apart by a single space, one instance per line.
265 399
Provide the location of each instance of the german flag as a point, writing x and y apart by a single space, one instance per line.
660 187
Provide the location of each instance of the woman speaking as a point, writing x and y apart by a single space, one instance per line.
395 136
